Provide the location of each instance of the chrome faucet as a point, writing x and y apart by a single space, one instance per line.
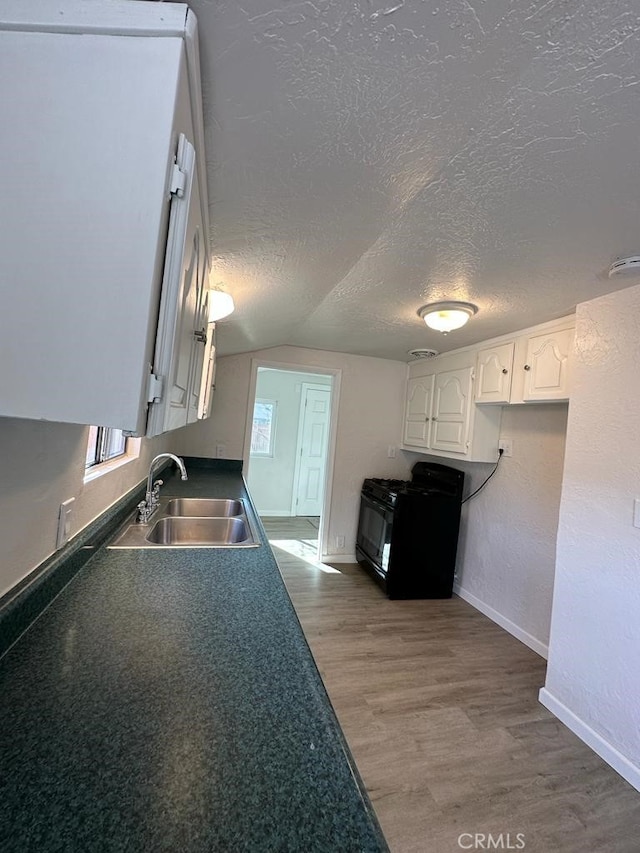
149 505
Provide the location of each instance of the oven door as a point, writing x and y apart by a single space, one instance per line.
373 542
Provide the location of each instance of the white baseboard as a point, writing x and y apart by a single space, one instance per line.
339 558
598 744
499 619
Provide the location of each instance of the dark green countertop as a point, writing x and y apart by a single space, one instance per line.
167 701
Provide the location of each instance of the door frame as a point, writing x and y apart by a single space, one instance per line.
336 374
301 413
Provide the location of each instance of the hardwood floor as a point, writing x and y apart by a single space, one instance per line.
439 707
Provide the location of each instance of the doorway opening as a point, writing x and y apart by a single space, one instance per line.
289 450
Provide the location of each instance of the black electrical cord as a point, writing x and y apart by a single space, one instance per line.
473 494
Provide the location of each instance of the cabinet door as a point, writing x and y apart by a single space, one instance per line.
547 368
208 373
179 351
417 427
452 410
493 374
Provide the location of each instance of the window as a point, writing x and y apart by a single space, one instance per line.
263 428
104 444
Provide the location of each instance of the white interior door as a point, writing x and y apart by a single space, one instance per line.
313 440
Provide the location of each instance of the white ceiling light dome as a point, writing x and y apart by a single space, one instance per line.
220 304
446 316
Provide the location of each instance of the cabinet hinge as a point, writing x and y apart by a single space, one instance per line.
178 181
154 388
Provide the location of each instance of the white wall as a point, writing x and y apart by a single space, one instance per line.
270 478
370 412
593 677
42 465
506 550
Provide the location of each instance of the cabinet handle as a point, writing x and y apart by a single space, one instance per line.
527 367
201 336
427 419
434 419
504 370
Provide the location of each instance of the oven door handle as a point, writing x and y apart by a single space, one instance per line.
376 504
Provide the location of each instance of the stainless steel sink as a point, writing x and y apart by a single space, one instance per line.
210 507
191 523
199 531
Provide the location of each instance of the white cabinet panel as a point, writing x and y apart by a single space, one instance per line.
452 410
179 352
547 367
494 369
417 429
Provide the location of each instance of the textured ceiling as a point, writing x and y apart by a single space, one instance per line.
366 157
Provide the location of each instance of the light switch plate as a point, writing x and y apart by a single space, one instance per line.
636 512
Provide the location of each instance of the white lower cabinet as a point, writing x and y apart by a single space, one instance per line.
104 235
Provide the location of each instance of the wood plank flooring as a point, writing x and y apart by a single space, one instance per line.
439 708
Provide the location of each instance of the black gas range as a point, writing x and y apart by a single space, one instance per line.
408 531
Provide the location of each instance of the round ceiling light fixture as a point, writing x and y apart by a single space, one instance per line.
220 304
446 316
625 266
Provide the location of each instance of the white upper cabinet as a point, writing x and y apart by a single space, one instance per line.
182 326
417 428
542 363
547 366
494 370
532 367
441 418
446 410
102 107
452 410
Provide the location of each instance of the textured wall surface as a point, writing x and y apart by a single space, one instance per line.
371 407
271 478
507 546
368 157
594 655
43 465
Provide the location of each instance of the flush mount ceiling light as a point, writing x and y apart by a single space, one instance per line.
446 316
220 304
625 266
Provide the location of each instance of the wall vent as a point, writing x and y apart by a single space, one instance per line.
423 353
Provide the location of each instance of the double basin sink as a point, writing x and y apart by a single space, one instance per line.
191 523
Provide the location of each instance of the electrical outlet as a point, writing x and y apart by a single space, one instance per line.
339 542
506 445
391 452
64 522
221 451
